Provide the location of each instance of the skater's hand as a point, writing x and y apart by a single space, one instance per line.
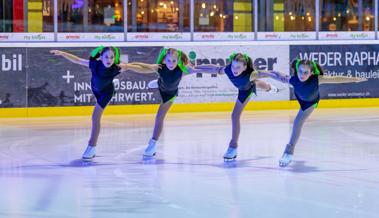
284 79
56 52
281 77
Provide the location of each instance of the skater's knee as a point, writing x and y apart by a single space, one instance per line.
300 120
96 118
235 116
159 121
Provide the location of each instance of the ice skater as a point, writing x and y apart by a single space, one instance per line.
245 78
104 63
173 64
306 77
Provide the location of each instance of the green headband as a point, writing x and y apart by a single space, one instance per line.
99 49
162 55
233 55
315 68
181 65
116 55
314 65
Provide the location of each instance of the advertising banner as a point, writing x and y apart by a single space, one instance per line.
344 60
13 67
55 81
218 88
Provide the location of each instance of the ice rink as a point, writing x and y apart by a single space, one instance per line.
335 172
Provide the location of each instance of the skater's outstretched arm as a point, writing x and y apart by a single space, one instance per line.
209 68
275 75
71 57
340 79
263 74
140 67
151 67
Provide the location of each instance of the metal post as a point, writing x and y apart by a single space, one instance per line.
55 20
181 15
271 15
25 16
192 17
360 15
317 18
134 15
255 19
376 19
85 16
125 4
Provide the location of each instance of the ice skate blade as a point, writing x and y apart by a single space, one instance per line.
230 159
148 158
85 159
284 164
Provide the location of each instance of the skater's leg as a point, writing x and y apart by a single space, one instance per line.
236 124
296 131
159 119
231 152
298 123
158 127
96 124
90 151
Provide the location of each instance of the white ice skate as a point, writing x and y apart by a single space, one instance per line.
89 153
285 160
231 154
151 149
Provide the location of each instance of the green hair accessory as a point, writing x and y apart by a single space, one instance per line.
244 55
97 51
116 55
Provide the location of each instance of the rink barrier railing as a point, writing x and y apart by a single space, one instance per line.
178 43
179 108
